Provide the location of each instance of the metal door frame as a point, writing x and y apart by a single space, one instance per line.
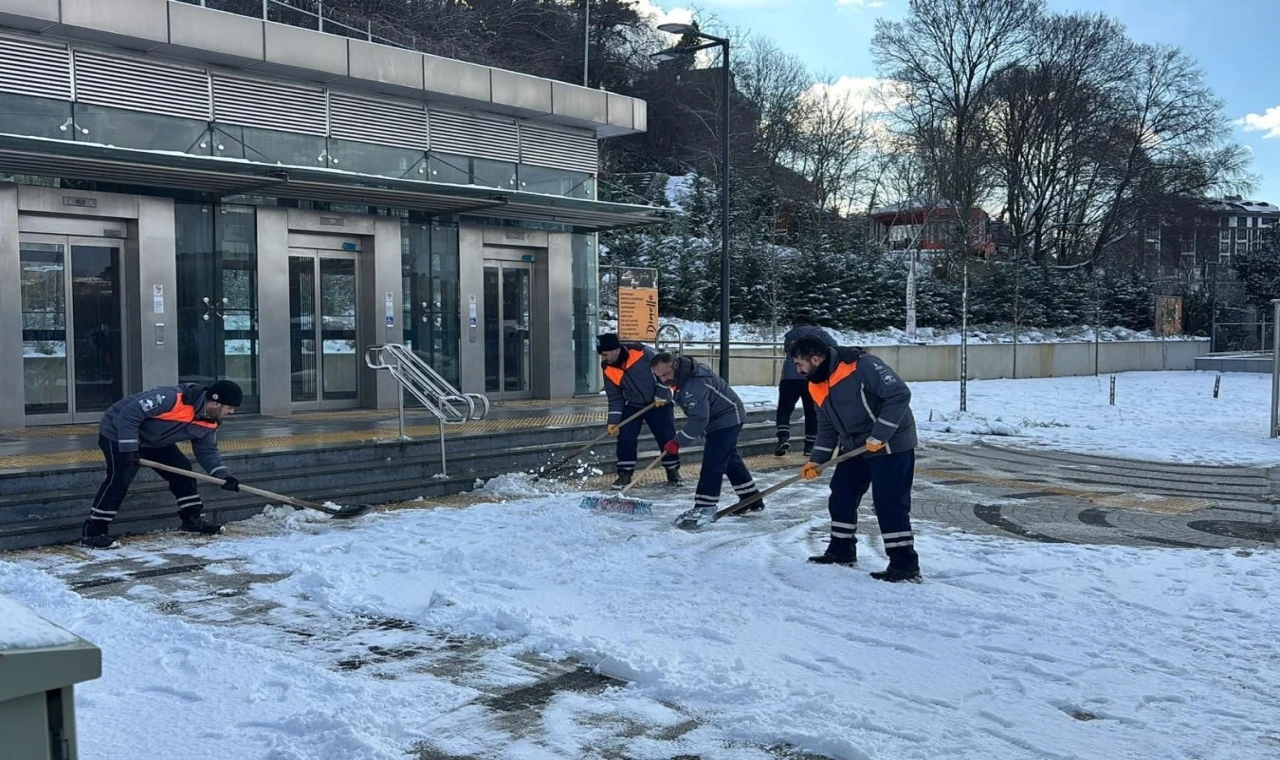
501 393
67 241
316 254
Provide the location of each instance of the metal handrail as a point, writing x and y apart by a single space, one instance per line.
657 339
436 395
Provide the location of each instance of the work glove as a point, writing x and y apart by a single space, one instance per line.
874 445
809 471
130 458
612 429
658 403
671 448
230 483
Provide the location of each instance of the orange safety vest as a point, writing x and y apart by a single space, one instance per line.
184 412
820 391
615 374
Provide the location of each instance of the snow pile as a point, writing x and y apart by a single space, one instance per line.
1015 650
20 628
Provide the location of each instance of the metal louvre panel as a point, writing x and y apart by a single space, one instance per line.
270 105
559 148
103 80
32 68
386 122
474 135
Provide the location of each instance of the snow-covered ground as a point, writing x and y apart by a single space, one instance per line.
709 332
1167 416
1012 650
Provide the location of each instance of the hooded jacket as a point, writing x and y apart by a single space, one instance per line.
630 382
789 371
706 400
162 417
859 396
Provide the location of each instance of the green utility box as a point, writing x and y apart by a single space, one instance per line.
40 664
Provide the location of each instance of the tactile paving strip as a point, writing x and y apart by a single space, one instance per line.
381 432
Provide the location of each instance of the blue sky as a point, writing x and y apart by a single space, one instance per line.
1234 41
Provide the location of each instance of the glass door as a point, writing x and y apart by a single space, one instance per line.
508 312
72 337
322 330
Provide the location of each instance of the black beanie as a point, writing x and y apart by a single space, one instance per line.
607 342
226 393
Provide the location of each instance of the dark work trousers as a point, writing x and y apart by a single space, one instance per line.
662 423
789 392
719 458
889 476
120 475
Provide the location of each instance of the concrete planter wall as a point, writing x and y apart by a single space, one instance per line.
762 366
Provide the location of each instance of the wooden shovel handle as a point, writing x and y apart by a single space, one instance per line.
247 489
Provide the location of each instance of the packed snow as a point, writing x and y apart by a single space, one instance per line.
20 628
1164 416
1008 650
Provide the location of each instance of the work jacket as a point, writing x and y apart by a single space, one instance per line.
162 417
858 396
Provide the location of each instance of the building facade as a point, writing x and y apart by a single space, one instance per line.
187 195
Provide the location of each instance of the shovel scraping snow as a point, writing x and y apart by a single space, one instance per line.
621 504
337 513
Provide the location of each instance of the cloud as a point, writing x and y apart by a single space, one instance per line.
870 94
860 4
1268 122
658 15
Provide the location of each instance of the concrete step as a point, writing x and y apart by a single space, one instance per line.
299 454
37 517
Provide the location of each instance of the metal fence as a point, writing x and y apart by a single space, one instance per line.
312 14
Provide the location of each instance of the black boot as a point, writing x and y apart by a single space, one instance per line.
839 552
624 480
752 508
194 522
808 447
897 575
673 477
784 446
94 535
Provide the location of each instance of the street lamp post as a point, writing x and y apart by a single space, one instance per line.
726 83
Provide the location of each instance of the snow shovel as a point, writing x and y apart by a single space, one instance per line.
621 504
337 513
547 470
694 518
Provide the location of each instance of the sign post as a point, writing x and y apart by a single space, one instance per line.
637 304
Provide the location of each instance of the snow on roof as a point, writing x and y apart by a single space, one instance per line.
20 628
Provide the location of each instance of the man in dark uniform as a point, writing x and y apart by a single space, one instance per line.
861 401
630 386
150 424
715 413
793 387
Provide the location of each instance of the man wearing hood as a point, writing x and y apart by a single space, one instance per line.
630 386
150 424
716 414
861 401
793 386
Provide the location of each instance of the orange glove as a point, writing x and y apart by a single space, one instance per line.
809 471
874 445
612 429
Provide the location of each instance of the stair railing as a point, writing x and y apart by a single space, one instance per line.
446 403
